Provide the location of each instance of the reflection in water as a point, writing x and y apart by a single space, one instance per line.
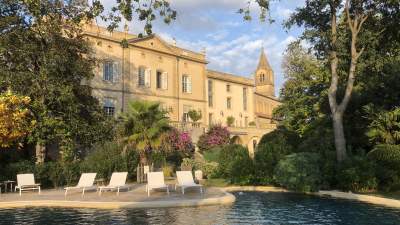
250 208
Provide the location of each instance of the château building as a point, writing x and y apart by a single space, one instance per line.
149 68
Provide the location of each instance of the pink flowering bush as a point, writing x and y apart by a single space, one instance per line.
215 136
177 141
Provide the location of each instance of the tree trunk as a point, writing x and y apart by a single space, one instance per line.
338 109
340 141
40 153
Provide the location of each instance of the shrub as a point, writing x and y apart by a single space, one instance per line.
111 157
215 136
187 164
280 136
168 170
194 115
357 174
178 142
209 169
212 155
235 164
387 166
230 120
48 174
270 150
385 153
299 172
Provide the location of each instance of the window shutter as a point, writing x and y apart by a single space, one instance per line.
116 71
102 69
147 77
189 84
165 80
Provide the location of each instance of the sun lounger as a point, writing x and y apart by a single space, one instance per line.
26 182
185 180
155 180
117 181
86 182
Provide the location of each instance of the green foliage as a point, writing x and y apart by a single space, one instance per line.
168 170
209 169
235 164
385 128
144 124
230 120
386 153
357 174
271 149
195 115
212 155
41 59
304 94
111 157
49 174
299 172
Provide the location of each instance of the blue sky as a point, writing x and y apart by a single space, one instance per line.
232 45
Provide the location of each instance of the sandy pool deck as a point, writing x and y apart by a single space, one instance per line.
136 197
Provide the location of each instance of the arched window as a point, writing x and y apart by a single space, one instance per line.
262 77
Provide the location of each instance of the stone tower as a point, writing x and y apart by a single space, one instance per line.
264 77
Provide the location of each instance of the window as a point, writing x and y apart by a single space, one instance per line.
210 119
262 77
108 107
210 93
186 109
159 79
186 84
144 77
245 99
162 80
246 121
229 102
228 87
108 69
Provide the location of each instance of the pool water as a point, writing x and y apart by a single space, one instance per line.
249 208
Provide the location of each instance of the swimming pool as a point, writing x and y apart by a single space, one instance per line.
249 208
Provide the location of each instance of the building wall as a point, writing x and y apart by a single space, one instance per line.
219 109
154 55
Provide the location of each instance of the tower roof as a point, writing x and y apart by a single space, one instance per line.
263 62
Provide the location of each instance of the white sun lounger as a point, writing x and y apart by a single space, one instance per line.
185 180
117 181
155 180
85 183
26 182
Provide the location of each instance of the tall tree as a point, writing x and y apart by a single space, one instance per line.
44 55
327 24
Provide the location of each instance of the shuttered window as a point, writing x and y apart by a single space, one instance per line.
186 84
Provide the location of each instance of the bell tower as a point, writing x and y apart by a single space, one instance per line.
264 76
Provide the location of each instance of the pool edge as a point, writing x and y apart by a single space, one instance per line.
381 201
226 199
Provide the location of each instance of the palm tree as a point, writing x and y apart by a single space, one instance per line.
144 124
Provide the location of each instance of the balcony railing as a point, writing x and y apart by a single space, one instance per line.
185 126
